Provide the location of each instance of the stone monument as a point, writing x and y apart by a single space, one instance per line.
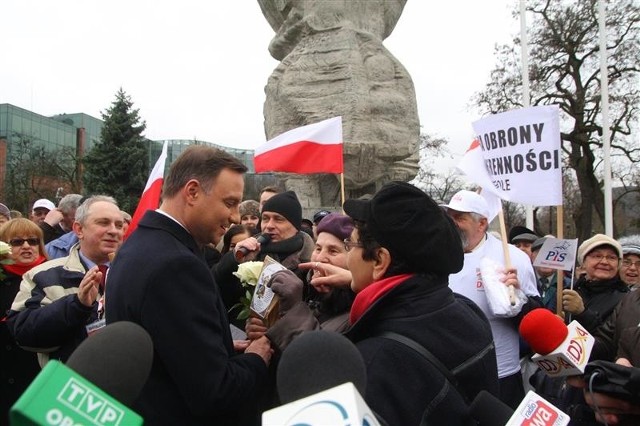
333 63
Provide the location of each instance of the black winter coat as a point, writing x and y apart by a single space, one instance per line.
402 387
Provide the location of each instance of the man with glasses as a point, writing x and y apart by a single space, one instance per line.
630 266
60 301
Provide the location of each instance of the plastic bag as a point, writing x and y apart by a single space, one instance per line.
497 293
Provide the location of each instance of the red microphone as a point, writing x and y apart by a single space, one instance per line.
543 330
560 350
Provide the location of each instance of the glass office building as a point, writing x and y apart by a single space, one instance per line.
53 133
176 146
74 135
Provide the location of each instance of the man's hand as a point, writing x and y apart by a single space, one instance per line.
255 328
572 302
240 345
53 218
88 289
511 278
327 276
262 347
252 246
610 410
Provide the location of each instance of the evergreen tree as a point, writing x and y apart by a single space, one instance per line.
119 164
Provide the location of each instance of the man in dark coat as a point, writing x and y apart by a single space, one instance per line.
161 281
281 219
401 252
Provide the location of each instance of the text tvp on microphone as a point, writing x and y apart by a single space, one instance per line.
60 396
561 350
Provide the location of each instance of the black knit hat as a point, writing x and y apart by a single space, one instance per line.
412 226
286 204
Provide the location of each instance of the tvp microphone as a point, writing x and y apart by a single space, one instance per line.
263 239
320 378
560 350
104 373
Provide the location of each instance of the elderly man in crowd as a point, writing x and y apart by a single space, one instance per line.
60 301
470 213
40 210
281 219
523 238
59 221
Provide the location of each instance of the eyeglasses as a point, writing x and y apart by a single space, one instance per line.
348 244
628 263
18 242
598 257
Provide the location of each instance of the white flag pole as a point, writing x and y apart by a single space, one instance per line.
524 53
606 143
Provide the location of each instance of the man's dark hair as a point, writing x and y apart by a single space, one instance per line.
199 162
270 188
370 251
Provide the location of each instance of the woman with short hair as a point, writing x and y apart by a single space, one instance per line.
26 250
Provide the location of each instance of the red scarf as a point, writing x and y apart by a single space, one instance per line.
20 268
373 292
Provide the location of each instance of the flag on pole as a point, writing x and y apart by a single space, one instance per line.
315 148
150 199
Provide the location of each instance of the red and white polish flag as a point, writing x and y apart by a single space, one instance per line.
150 199
315 148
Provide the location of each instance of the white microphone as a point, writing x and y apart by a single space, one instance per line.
319 378
534 410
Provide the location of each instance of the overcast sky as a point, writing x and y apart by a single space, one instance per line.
197 69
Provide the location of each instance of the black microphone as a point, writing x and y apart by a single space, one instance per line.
321 376
263 239
316 361
489 410
117 359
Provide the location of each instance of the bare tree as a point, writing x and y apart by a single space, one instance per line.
564 58
35 171
439 186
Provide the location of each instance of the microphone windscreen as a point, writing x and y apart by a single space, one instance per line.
117 359
264 239
489 410
543 330
316 361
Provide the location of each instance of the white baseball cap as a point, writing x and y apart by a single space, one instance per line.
43 203
468 202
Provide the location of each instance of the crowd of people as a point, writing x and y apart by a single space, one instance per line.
396 273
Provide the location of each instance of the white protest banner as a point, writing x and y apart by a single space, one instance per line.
556 253
521 157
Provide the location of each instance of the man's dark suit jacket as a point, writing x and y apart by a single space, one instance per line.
159 279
